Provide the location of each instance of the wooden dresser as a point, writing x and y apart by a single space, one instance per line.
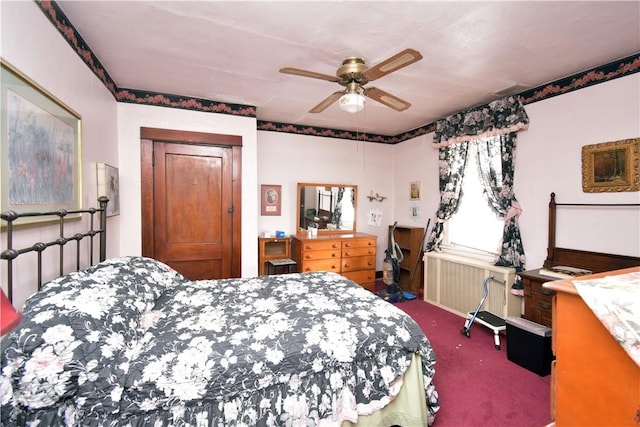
594 381
353 255
537 299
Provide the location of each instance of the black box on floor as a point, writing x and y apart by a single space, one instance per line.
529 345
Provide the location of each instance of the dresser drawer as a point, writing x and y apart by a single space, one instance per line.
358 263
359 243
321 254
317 245
361 277
321 265
347 253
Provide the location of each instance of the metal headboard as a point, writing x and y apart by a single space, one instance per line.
10 253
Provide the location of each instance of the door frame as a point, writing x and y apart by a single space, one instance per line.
150 135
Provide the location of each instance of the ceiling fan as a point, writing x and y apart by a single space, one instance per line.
354 74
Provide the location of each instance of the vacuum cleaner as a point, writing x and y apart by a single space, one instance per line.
391 269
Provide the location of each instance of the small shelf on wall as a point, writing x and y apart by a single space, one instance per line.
409 239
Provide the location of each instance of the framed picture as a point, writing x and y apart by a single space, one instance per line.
415 190
271 196
108 185
41 147
611 166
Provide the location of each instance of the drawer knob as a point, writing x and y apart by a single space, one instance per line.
348 253
347 265
348 245
545 291
370 263
544 305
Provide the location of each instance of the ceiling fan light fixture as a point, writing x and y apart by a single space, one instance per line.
352 102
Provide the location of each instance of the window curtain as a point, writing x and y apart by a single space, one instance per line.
337 212
452 161
496 156
497 123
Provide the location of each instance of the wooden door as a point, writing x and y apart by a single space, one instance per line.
192 208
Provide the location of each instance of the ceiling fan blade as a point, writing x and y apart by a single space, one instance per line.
306 73
386 98
326 102
397 61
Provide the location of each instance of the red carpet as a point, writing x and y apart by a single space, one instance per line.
477 384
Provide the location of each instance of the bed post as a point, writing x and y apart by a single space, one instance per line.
103 200
552 232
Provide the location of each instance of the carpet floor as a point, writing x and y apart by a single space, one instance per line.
477 384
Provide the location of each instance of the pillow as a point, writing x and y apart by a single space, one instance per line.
74 328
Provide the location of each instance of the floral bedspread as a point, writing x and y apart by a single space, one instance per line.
131 342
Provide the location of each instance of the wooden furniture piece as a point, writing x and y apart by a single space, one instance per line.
537 299
272 248
274 264
594 381
409 239
353 255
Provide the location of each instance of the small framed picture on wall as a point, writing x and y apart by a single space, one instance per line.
415 190
270 196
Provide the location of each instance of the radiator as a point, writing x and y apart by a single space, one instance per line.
455 284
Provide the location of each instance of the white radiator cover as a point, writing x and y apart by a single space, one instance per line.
455 284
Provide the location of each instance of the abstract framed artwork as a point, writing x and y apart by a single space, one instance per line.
270 196
108 185
41 148
611 166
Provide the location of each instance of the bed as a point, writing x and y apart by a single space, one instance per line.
131 342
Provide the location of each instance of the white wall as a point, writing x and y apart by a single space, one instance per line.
286 159
548 159
32 45
416 160
131 117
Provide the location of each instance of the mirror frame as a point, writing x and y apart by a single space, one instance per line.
299 207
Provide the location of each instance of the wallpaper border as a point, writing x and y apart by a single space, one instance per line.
601 74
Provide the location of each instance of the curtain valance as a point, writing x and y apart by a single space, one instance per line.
502 116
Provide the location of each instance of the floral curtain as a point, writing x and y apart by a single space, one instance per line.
496 156
502 116
337 212
452 161
502 119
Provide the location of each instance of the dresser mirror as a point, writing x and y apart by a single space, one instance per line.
330 208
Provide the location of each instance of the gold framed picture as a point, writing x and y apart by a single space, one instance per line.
415 190
611 166
40 153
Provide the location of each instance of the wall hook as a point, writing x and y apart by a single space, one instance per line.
376 196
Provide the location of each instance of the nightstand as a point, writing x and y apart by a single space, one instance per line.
537 300
272 248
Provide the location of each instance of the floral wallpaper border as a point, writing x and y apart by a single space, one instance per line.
601 74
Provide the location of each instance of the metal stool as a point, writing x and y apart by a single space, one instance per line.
273 265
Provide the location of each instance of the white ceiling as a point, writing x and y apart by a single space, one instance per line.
231 51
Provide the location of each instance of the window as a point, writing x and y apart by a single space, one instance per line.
475 227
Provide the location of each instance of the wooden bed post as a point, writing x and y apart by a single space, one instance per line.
552 231
103 200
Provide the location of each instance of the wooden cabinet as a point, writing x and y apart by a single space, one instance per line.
537 299
272 248
594 381
409 239
352 255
